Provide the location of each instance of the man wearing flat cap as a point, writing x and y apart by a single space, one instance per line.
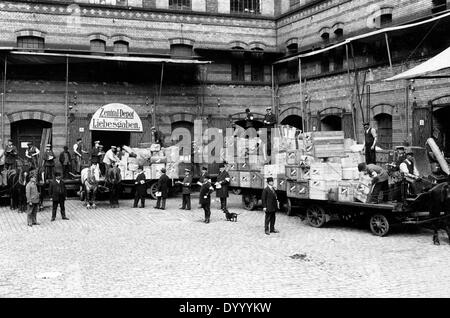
270 207
186 190
410 172
269 122
49 162
370 143
223 180
163 190
96 153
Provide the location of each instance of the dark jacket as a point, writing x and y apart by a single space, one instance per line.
186 186
249 120
57 190
222 192
202 178
61 157
205 193
10 154
269 200
163 186
158 138
49 162
271 119
95 155
141 188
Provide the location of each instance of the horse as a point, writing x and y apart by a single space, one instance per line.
16 181
113 180
89 185
435 200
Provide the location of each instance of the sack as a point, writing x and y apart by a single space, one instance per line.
158 194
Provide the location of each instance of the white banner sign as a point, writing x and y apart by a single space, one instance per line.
116 117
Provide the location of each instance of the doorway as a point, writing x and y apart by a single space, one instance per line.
442 128
331 123
25 131
293 121
111 138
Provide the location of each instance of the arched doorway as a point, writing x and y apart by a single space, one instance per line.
441 128
331 123
384 124
294 121
28 130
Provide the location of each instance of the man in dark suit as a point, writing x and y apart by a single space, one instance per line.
270 206
201 180
223 180
58 195
205 197
140 187
163 188
186 190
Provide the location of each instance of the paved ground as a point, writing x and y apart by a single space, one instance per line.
150 253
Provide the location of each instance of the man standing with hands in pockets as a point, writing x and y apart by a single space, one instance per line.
58 195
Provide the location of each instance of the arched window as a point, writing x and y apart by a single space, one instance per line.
98 45
121 47
30 42
384 124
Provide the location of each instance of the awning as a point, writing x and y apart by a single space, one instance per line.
435 64
42 57
362 36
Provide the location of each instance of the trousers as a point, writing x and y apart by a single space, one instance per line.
207 210
269 221
223 204
31 213
380 187
186 201
59 202
161 203
138 197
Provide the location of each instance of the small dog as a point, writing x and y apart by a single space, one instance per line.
231 216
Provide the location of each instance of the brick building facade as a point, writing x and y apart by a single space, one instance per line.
242 39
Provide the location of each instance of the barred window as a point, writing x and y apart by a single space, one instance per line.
98 46
30 42
121 47
180 4
110 2
245 6
438 6
237 71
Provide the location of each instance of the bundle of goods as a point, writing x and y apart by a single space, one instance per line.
328 144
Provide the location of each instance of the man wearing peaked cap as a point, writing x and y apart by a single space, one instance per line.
163 190
140 188
270 206
186 190
223 180
205 197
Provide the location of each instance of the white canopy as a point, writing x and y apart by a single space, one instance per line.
437 63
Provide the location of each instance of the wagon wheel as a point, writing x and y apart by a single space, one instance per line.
316 216
379 224
287 206
152 190
249 201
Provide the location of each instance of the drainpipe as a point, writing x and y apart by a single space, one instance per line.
66 101
4 98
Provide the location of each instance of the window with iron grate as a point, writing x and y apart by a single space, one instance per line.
30 42
180 4
245 6
121 47
98 46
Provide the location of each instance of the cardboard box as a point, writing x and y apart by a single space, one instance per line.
280 158
256 180
129 175
318 171
296 189
234 178
350 174
156 170
244 179
333 171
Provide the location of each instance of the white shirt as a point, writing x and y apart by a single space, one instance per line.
110 157
404 168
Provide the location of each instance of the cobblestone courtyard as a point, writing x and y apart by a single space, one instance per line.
129 252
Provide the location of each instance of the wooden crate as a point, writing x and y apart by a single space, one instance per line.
245 166
234 178
297 189
345 191
319 189
280 184
292 172
244 179
293 157
256 180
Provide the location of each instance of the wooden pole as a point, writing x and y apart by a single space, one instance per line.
302 107
159 97
4 98
66 100
388 50
350 93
